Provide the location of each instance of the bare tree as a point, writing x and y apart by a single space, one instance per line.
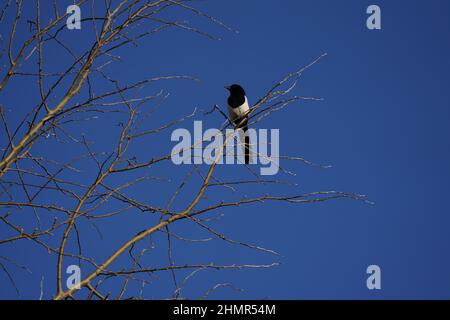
53 194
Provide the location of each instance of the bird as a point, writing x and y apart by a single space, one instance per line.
238 110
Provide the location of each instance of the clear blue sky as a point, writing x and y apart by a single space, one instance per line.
383 126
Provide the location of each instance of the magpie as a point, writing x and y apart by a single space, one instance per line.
238 110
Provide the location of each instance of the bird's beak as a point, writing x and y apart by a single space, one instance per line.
227 87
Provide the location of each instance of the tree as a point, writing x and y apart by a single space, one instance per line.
49 199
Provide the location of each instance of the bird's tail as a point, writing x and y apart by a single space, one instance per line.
244 137
247 148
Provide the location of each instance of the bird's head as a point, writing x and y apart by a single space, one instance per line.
235 90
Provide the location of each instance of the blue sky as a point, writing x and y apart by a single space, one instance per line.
383 126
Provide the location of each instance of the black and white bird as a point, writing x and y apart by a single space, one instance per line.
238 110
